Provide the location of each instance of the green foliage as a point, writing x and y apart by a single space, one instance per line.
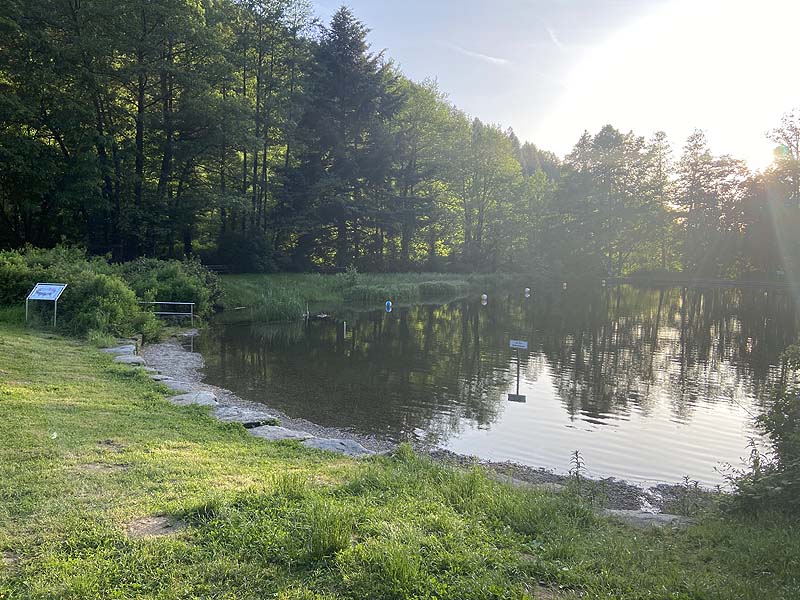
245 252
173 281
330 157
442 289
101 299
286 297
772 481
96 300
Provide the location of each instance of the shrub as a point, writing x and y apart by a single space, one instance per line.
772 481
99 301
172 281
103 303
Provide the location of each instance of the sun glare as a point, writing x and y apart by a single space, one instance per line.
725 67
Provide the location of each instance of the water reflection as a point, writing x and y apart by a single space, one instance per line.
648 384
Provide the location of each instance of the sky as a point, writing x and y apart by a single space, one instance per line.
551 69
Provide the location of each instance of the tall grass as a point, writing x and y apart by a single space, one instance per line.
285 297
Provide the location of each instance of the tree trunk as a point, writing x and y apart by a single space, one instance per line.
138 179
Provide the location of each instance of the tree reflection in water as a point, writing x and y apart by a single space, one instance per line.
432 370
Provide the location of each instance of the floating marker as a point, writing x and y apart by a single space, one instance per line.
564 285
603 283
527 292
484 299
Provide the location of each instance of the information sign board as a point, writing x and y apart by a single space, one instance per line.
46 291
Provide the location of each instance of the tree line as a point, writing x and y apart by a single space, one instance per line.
250 134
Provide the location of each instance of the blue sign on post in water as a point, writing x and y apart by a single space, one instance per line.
518 345
46 291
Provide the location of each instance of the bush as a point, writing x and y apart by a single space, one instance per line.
103 303
173 281
101 299
772 481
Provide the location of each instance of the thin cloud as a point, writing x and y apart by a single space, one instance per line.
494 60
554 38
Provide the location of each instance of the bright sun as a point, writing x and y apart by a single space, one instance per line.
727 67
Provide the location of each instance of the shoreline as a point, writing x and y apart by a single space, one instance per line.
175 362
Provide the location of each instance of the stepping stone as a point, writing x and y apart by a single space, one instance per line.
120 350
275 432
643 520
159 377
248 417
177 386
198 398
348 447
129 360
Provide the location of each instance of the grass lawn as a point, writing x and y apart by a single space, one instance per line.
88 447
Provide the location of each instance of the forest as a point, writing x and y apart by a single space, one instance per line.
251 135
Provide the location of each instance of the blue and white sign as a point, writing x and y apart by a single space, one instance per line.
518 344
47 291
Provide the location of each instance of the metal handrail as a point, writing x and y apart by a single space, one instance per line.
177 314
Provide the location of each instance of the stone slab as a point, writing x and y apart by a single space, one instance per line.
248 417
177 386
348 447
129 360
275 432
120 350
198 398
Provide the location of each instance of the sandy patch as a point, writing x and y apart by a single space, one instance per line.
155 526
10 559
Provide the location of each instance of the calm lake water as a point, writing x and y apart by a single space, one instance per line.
649 385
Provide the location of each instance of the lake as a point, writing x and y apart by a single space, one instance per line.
650 385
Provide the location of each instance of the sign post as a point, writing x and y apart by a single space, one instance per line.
517 345
46 291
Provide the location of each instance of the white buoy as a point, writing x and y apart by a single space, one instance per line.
484 299
527 292
564 285
603 283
